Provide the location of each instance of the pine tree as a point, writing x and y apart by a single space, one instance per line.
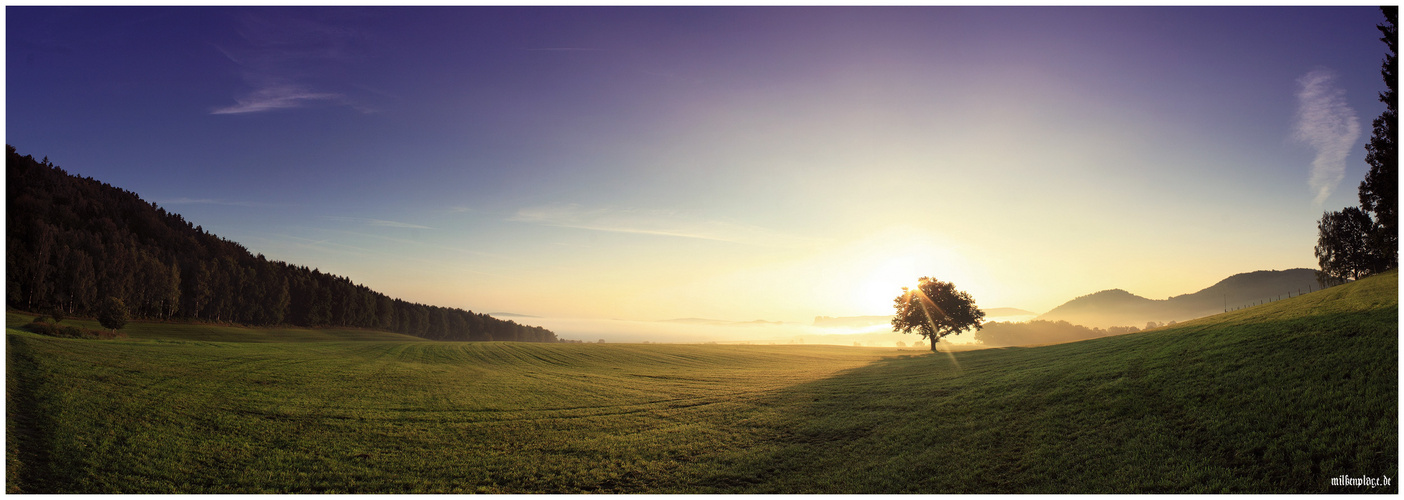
1379 192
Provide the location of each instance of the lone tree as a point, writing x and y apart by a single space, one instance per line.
113 314
935 309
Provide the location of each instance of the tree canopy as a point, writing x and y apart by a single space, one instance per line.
935 309
1342 246
71 241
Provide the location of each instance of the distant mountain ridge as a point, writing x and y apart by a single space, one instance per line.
1118 307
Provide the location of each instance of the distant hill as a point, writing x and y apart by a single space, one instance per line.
1117 307
1004 312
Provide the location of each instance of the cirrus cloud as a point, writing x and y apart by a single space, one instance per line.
1327 124
283 58
668 223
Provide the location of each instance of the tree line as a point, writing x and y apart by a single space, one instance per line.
1360 241
72 242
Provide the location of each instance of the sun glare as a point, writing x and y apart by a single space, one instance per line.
885 281
880 271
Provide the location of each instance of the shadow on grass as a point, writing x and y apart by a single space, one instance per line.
1270 407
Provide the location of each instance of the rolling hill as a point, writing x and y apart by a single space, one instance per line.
1109 308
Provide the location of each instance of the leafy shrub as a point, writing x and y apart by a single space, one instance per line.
42 328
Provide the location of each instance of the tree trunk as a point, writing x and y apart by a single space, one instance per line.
933 344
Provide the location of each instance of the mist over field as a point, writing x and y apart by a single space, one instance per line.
874 334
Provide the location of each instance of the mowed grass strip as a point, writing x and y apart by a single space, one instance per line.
206 417
1278 398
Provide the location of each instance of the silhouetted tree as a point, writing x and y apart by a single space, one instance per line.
1379 192
935 309
1342 244
113 314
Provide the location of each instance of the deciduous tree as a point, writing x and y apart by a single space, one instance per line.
112 314
1342 244
935 309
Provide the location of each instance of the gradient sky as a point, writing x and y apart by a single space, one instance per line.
729 163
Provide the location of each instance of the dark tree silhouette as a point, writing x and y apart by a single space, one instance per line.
70 240
1342 245
112 314
1379 192
1359 241
935 309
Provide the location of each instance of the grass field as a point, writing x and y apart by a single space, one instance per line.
1278 398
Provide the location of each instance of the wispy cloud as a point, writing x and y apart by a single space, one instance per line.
207 201
1328 125
275 97
325 246
280 59
562 49
377 222
654 222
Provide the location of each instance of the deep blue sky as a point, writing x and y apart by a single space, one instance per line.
738 163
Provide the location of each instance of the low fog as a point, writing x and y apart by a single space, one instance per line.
867 331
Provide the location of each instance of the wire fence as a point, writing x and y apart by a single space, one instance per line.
1270 299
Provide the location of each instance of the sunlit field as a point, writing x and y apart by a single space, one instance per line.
1278 398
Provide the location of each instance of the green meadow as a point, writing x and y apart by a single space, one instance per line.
1278 398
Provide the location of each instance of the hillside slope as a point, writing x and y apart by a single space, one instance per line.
72 241
1110 308
1275 398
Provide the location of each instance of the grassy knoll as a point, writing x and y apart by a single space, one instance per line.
1282 397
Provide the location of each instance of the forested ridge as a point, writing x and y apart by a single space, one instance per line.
73 241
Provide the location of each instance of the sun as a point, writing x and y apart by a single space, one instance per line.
883 281
878 271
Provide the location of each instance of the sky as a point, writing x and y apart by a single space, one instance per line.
732 163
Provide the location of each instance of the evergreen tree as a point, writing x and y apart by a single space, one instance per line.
70 240
1379 192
